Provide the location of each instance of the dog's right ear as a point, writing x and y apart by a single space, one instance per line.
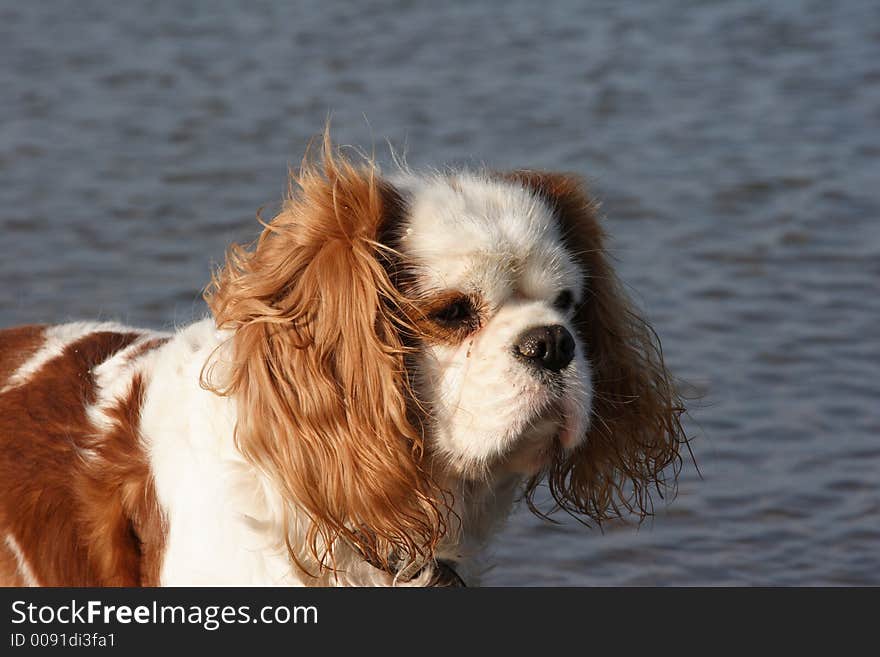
635 434
324 404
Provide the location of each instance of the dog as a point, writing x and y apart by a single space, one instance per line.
391 365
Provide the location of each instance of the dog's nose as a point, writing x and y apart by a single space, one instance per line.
549 347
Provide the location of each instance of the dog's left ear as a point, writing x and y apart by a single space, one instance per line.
635 432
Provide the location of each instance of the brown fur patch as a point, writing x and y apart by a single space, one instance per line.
126 531
58 500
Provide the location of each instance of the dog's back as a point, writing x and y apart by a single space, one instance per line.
55 458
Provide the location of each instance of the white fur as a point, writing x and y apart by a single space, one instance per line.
220 523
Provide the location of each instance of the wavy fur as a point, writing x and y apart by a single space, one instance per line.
319 377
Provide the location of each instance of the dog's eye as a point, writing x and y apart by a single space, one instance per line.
564 301
456 313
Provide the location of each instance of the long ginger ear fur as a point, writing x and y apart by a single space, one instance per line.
635 432
324 407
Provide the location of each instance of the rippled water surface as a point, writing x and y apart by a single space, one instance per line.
735 146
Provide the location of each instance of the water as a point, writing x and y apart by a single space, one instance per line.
735 145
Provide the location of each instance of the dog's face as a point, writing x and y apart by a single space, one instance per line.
502 371
393 337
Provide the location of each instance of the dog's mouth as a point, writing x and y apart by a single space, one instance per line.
559 428
534 451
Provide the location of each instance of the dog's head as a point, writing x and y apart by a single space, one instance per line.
395 335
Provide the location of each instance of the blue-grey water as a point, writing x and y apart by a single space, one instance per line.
735 147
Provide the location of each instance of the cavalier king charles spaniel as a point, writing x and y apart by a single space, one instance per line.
384 372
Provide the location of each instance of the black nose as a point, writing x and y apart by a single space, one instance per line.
549 347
